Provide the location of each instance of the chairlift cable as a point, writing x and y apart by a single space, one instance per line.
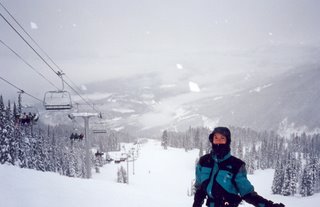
42 50
81 97
28 43
35 42
23 91
75 85
57 73
28 64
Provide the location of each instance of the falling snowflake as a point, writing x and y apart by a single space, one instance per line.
83 87
179 66
33 25
194 87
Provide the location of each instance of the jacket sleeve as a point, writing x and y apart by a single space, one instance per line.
256 200
242 183
200 194
246 190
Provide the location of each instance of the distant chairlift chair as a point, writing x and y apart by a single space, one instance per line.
29 115
76 136
99 127
99 131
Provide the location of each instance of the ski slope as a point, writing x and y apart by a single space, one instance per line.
161 179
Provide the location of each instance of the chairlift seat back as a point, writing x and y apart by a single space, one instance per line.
57 100
99 131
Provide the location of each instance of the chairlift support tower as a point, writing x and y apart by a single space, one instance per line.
86 117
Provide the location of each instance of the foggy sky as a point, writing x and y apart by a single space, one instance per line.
103 39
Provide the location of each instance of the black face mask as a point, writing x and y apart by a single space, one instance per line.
220 150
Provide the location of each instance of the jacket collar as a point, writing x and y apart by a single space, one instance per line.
215 158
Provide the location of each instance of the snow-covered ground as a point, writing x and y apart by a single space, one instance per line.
161 179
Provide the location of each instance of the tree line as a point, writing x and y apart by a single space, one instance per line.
295 159
48 148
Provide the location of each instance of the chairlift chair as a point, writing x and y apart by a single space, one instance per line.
57 100
99 127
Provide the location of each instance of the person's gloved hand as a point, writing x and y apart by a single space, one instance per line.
278 205
271 204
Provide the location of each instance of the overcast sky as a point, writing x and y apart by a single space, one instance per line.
102 39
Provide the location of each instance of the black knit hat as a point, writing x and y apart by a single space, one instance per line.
221 130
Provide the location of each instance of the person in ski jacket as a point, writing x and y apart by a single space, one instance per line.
221 178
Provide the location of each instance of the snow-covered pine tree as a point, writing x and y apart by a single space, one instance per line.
290 175
240 150
249 159
254 155
263 161
200 150
19 104
10 135
317 182
39 152
286 183
122 175
233 147
164 139
307 185
314 171
196 139
4 141
278 178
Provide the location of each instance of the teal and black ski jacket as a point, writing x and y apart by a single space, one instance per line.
223 182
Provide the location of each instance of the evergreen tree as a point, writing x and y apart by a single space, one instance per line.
122 176
278 178
249 159
309 178
10 135
240 150
201 150
286 184
290 176
197 139
264 155
164 141
4 140
307 185
20 103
